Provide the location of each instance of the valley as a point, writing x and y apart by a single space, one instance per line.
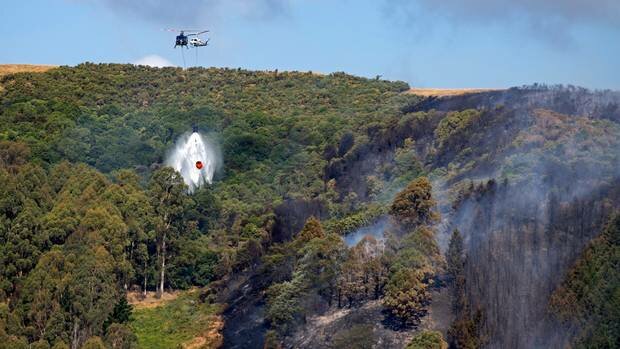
342 212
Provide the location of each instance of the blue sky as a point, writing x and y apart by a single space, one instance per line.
428 43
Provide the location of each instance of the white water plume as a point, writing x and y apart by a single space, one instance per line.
195 158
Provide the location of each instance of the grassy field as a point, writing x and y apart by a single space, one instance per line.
6 69
182 322
440 92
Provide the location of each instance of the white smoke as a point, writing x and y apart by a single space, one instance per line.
375 230
188 151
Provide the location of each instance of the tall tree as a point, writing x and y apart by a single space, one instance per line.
364 272
168 194
406 295
320 264
137 212
312 229
105 221
92 292
415 204
43 295
465 330
454 255
456 272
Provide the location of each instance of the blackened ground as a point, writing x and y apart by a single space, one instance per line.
367 325
565 100
244 320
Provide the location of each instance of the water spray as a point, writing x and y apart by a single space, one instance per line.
195 158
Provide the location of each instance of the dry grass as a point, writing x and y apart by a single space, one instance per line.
150 301
211 338
441 92
6 69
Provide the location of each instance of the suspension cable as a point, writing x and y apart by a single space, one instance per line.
183 55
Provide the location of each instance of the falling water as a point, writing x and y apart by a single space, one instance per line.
189 150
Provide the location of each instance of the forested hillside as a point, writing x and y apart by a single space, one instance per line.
89 214
588 301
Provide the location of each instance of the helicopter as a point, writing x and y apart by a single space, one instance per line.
198 42
182 39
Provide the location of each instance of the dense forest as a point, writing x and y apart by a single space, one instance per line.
495 208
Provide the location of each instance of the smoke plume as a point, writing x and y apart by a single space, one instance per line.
530 213
551 20
375 230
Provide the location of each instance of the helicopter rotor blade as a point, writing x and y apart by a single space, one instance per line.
198 33
192 31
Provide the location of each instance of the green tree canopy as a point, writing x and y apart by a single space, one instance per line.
406 295
427 340
415 204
